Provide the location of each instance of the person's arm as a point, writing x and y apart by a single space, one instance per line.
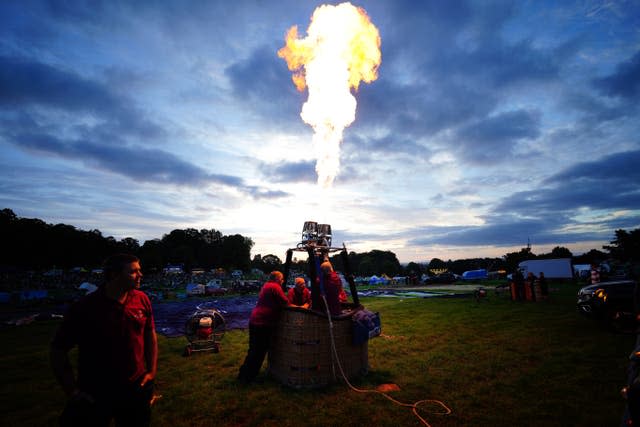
279 294
306 298
150 355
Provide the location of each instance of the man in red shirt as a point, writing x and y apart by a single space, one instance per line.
262 323
114 330
332 289
299 295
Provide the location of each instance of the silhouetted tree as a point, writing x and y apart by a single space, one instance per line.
557 252
269 262
626 246
512 259
593 256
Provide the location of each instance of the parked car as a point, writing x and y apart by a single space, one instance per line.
611 302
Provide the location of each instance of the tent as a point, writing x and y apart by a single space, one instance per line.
87 287
475 274
33 294
195 289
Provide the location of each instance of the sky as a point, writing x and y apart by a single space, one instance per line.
491 124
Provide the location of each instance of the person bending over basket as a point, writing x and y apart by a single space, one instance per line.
262 324
299 295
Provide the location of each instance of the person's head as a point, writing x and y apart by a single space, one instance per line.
300 283
276 276
123 270
326 267
541 274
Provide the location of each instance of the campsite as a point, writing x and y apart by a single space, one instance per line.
492 362
465 175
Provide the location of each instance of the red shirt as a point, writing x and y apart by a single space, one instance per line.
110 337
270 300
332 290
299 297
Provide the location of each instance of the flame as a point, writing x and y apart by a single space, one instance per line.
342 48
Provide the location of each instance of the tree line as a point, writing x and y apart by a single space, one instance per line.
30 243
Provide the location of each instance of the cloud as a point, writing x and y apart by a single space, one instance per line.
259 193
419 110
624 82
262 82
303 171
550 214
26 85
29 82
358 146
494 138
139 163
609 183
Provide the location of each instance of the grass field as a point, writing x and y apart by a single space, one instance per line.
493 362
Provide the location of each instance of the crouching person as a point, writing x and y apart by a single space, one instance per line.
299 295
114 331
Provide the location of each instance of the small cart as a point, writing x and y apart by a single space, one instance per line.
204 331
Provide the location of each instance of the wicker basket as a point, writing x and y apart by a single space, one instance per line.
301 354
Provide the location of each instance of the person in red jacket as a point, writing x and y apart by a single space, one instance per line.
262 324
299 295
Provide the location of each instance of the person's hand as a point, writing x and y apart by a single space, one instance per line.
147 377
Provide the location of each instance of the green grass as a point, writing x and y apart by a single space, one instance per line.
494 363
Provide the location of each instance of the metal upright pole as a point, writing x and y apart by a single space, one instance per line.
287 267
349 275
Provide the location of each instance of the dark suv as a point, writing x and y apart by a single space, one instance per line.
612 302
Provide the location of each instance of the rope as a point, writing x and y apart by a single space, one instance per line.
413 406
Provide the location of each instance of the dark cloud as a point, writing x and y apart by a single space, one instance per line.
419 110
544 214
502 234
303 171
607 183
263 83
624 82
390 144
110 142
494 138
456 88
501 64
614 169
28 82
259 193
26 85
140 164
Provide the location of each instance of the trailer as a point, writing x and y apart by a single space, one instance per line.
556 268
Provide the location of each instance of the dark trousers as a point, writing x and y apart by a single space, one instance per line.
127 406
259 341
